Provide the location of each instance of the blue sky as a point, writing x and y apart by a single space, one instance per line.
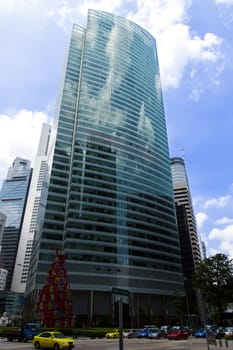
195 48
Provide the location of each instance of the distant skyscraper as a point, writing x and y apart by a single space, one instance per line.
3 277
110 207
189 240
13 197
34 212
203 248
2 226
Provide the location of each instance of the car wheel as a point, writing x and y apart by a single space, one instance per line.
56 346
37 345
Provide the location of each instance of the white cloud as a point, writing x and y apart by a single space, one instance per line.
222 234
224 221
217 202
214 251
225 240
201 218
104 5
227 248
37 13
216 224
19 136
158 15
167 20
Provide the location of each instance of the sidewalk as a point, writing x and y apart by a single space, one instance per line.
221 343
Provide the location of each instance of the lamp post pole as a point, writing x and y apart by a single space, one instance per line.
120 324
121 293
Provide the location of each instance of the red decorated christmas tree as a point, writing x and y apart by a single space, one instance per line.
54 308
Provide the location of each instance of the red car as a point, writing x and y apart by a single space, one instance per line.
178 334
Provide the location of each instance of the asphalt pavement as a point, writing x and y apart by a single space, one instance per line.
128 344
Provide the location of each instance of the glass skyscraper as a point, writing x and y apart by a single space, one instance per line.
13 198
110 206
33 212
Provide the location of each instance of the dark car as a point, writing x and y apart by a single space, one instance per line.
189 330
178 334
219 333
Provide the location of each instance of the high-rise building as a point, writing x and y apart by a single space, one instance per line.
189 239
110 207
3 272
2 226
34 212
3 277
13 197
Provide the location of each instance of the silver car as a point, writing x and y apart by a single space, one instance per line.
130 333
155 333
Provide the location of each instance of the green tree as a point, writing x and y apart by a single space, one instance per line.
213 277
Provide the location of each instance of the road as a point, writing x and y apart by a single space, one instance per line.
129 344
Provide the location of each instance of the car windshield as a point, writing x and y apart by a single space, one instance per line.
59 335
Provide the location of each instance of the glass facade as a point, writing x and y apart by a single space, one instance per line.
34 212
110 205
13 197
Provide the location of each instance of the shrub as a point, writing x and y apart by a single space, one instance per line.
228 336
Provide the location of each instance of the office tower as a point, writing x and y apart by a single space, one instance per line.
203 248
110 207
3 272
13 197
189 240
3 277
34 212
2 226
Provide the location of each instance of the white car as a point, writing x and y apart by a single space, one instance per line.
165 330
228 330
130 333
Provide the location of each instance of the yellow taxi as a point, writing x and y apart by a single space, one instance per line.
53 340
114 334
